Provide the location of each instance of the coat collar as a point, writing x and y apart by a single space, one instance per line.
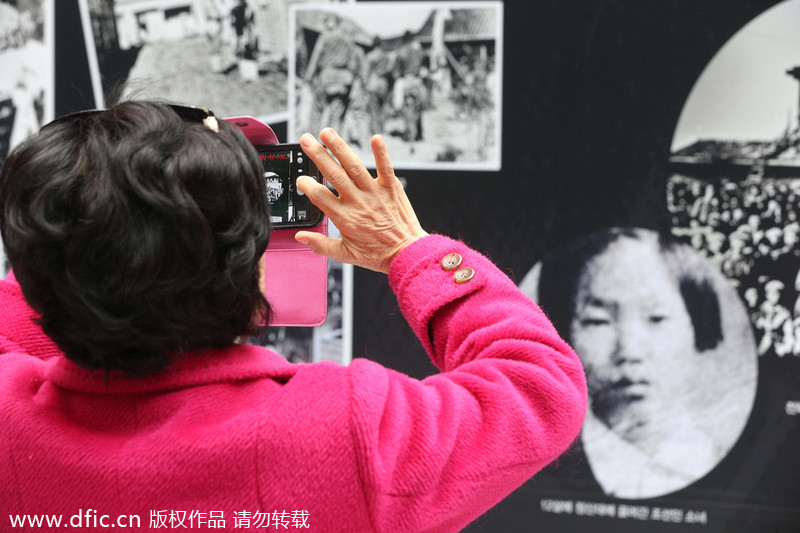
234 363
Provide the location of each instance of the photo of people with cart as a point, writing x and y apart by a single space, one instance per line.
232 55
425 75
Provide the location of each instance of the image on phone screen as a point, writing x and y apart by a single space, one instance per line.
283 164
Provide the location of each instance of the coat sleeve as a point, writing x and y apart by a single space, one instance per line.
435 454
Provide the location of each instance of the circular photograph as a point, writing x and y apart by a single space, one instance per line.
668 351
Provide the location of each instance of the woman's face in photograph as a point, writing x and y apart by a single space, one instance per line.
633 334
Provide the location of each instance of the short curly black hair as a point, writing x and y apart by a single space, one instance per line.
136 235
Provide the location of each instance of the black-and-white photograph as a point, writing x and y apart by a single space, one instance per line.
330 341
26 63
427 76
27 82
227 55
668 351
735 187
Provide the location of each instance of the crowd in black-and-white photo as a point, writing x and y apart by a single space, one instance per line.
751 230
435 98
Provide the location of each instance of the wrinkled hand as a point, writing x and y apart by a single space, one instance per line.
373 215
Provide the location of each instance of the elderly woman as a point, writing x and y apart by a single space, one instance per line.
135 235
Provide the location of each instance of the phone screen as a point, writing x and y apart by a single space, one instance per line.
283 164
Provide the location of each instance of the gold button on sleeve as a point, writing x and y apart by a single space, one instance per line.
463 275
451 261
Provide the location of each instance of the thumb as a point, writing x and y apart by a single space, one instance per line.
318 243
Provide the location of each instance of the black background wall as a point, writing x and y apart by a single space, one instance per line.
592 92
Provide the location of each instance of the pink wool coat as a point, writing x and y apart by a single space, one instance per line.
239 437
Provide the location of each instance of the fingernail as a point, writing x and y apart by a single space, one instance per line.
306 139
328 133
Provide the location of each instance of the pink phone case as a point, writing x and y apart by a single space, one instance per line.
296 281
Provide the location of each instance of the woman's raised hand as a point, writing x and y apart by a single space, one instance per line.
373 215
